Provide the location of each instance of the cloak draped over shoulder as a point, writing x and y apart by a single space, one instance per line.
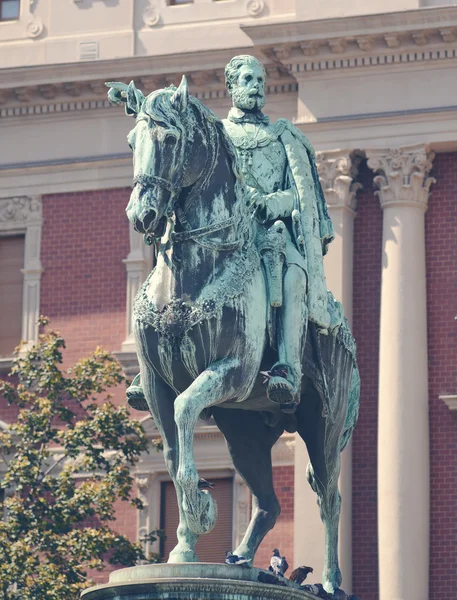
312 226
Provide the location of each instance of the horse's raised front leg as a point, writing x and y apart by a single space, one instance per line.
250 441
219 382
160 400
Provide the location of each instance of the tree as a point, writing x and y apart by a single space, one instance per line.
69 456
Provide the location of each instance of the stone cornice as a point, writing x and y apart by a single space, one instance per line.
402 175
90 94
368 41
268 34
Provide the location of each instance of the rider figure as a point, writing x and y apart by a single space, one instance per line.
278 164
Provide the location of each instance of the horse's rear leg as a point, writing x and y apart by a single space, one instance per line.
323 472
250 441
220 381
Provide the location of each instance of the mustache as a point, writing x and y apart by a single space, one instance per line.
248 99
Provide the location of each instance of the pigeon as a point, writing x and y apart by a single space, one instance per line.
278 563
300 574
234 559
205 485
264 577
312 589
322 593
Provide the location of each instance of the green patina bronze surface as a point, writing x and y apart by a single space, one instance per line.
235 322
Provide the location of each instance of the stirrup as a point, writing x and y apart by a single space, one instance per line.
280 390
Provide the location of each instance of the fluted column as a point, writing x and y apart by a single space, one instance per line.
403 429
337 169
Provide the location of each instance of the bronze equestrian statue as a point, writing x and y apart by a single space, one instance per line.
235 321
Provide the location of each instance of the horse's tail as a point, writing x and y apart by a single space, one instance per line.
353 408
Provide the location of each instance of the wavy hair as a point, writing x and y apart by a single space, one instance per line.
233 67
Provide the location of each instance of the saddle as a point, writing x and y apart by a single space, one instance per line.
271 244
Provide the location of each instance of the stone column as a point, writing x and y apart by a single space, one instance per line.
403 429
138 267
32 271
336 170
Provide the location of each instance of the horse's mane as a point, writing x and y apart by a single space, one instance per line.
158 106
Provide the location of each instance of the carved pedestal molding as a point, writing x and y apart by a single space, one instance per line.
403 431
23 215
337 170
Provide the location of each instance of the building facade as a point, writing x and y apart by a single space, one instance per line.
373 86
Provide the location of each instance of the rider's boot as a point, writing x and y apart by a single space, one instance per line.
135 395
284 381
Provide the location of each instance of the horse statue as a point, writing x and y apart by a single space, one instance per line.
200 326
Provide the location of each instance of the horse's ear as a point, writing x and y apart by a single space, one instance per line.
135 99
180 98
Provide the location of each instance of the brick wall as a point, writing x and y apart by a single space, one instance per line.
367 287
83 289
441 252
282 536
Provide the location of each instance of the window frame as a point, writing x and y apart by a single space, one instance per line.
2 20
23 215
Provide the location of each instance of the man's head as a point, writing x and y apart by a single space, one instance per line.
245 80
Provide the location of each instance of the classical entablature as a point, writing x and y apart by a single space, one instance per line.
361 40
73 96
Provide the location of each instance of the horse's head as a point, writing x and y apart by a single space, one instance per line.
167 155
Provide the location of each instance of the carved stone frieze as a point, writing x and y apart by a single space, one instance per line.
337 170
402 175
365 43
392 40
151 15
373 49
34 26
420 38
309 48
255 7
338 46
18 213
448 35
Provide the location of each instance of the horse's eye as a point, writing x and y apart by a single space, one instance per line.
170 139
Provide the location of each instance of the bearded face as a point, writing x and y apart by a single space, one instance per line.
248 94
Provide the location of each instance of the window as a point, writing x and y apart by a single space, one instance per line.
9 10
21 221
213 546
11 290
176 2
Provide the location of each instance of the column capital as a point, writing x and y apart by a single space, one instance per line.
402 175
337 170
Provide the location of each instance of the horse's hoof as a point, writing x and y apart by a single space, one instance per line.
182 556
331 580
201 517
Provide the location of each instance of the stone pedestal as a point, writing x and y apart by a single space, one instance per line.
193 581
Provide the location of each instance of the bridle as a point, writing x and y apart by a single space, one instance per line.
151 180
188 234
